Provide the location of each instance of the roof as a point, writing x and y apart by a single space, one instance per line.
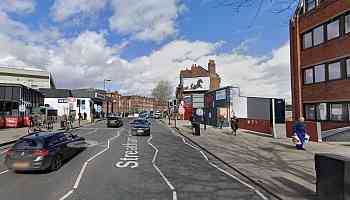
55 93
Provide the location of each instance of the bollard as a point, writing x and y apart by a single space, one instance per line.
333 177
197 129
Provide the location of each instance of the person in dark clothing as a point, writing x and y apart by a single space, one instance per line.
299 137
221 121
234 124
85 115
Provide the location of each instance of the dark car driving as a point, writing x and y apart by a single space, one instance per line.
42 151
140 127
114 121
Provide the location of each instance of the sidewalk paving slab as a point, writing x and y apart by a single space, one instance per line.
275 163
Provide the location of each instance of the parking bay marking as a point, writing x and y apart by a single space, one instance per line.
4 172
81 173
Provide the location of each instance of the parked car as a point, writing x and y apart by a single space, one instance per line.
43 151
114 121
140 127
157 115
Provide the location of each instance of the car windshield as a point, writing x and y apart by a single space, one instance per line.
139 121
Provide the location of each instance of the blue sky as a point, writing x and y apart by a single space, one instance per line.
121 36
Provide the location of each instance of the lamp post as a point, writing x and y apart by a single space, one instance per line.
104 89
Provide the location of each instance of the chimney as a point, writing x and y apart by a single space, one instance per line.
211 67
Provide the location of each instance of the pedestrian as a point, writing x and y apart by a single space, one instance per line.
300 137
221 121
85 115
234 123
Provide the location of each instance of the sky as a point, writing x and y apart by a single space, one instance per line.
137 43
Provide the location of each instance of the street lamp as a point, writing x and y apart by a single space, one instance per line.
104 89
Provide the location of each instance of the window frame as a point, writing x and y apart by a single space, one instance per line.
307 7
312 39
324 73
343 113
313 76
339 28
323 35
347 68
340 68
314 112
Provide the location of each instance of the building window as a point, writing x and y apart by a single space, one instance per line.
321 111
307 40
337 112
320 74
318 35
308 76
310 112
348 68
82 102
349 112
333 30
310 4
334 71
347 23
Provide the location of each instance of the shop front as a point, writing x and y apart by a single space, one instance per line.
16 103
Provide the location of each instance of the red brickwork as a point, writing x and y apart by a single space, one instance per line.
311 129
258 125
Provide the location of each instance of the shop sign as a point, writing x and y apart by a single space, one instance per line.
221 94
98 95
62 100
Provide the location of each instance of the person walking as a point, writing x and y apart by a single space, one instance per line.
85 115
221 121
300 137
234 124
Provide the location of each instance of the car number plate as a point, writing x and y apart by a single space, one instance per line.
140 131
21 165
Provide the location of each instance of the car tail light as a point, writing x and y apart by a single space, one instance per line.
40 153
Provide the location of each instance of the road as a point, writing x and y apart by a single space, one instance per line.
117 165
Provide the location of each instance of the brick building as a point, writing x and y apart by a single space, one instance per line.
320 62
190 79
132 104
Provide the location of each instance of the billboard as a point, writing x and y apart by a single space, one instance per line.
196 84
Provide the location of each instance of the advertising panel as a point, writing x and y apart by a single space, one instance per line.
196 84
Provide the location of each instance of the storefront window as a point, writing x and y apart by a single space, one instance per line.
337 112
321 111
310 112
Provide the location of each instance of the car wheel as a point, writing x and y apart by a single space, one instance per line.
56 163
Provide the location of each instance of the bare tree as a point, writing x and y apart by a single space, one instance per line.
163 91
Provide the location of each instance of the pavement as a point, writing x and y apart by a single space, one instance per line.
10 135
117 165
273 163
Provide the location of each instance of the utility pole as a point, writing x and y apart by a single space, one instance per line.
104 89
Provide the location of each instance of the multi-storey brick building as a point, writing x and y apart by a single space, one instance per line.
132 104
320 62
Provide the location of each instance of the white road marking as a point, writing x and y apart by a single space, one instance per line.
239 180
81 173
76 184
89 133
225 172
67 195
159 171
4 172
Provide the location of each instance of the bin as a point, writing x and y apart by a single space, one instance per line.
197 128
332 177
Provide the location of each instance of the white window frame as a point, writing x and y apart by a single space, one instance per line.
330 66
337 20
315 73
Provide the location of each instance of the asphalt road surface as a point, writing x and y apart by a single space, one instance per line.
118 166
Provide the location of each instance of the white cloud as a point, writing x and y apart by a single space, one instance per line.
147 19
63 9
17 6
88 59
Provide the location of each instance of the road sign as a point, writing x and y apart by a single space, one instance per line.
22 108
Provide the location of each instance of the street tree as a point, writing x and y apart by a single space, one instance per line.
163 91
